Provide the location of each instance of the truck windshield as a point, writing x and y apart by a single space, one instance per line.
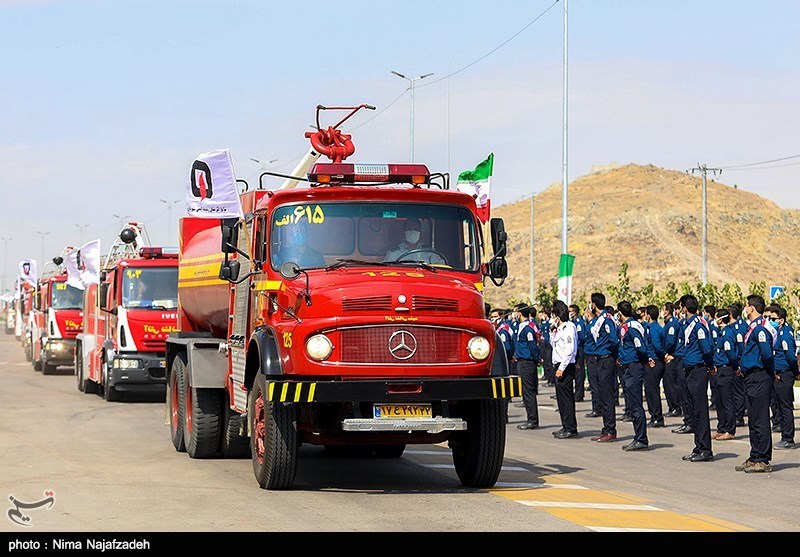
150 288
319 235
66 296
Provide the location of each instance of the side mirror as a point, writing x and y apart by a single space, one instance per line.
103 275
498 268
230 235
103 294
499 237
229 270
289 270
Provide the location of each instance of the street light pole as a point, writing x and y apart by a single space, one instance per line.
122 220
5 260
41 260
169 204
82 227
564 152
411 81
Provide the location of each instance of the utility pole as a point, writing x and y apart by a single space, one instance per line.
41 261
81 227
704 170
122 220
532 292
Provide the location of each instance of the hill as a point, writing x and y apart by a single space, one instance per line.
650 218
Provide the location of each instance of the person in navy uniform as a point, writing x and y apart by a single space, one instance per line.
709 316
654 370
739 330
498 318
580 360
726 360
698 364
527 355
546 348
757 368
774 408
564 340
604 333
590 318
786 373
632 358
683 388
671 365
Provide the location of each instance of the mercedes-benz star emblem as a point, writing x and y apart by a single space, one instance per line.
402 345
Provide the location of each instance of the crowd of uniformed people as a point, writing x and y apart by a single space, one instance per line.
745 354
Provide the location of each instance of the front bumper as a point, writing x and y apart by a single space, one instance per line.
148 375
401 390
60 352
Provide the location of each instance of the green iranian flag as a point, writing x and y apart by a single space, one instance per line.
477 183
565 278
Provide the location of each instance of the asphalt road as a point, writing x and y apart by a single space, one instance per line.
111 467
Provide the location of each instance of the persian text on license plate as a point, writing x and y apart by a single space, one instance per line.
389 411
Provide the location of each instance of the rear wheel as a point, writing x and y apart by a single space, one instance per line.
79 368
274 440
232 443
389 451
478 451
175 399
203 414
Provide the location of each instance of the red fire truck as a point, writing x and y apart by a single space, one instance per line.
125 327
360 321
56 319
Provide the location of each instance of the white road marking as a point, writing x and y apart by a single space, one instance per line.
613 529
608 506
512 485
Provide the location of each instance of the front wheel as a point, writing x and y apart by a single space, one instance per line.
110 393
478 451
274 441
175 398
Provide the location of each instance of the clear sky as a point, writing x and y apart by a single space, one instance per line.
106 103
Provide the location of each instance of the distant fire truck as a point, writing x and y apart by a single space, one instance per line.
360 321
127 318
56 319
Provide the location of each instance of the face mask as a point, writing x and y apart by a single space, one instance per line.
773 323
412 236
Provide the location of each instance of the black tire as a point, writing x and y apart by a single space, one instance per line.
110 393
37 365
478 451
274 441
48 369
389 451
232 444
202 419
175 402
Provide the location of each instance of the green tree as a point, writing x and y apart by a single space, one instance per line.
758 289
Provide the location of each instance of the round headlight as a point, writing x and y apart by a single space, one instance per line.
319 347
478 348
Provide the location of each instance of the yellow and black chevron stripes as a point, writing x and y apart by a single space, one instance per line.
506 387
291 391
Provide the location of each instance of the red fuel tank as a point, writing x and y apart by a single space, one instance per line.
202 297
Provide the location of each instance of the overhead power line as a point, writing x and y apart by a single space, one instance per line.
736 166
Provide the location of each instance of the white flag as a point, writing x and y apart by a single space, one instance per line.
73 271
83 265
211 192
27 272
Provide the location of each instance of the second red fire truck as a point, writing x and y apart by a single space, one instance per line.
127 319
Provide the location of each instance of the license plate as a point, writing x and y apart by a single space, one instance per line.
389 411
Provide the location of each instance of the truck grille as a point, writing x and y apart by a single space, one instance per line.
155 345
367 303
371 345
431 303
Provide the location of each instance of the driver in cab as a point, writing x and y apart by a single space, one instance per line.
299 252
411 249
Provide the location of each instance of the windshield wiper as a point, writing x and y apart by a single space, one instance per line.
416 263
340 262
